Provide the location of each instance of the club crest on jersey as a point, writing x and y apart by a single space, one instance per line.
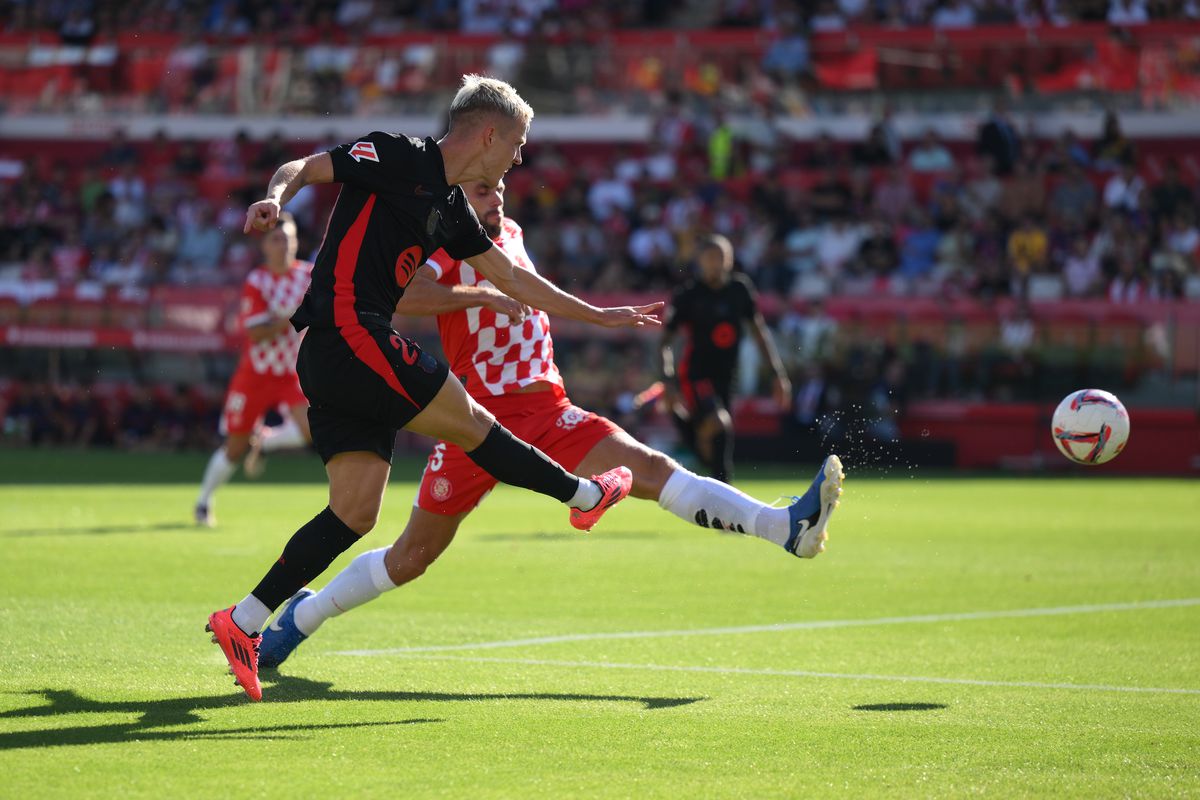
570 418
441 489
364 150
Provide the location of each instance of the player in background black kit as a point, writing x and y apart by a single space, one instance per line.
400 202
712 311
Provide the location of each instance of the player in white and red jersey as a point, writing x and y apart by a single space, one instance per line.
503 353
265 378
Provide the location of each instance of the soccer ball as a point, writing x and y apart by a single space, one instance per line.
1090 426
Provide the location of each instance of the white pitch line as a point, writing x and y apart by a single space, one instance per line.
787 626
809 674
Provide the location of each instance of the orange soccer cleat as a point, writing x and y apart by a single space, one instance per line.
240 650
614 487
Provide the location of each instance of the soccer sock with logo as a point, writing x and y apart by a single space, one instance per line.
711 504
306 555
219 470
363 579
510 460
282 437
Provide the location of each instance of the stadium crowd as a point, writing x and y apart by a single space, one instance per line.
1059 219
82 22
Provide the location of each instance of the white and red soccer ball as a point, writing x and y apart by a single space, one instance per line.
1090 426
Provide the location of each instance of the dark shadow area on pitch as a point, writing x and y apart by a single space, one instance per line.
176 711
901 707
100 530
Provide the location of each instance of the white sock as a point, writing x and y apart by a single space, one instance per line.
363 579
282 437
586 496
712 504
219 470
250 615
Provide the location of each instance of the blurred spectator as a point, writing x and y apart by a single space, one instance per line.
1112 150
878 254
826 18
877 150
930 156
918 245
999 140
1171 195
1074 199
1028 248
609 195
1123 192
895 195
981 195
200 248
838 245
787 58
1082 275
1127 12
830 196
954 14
1066 152
1128 286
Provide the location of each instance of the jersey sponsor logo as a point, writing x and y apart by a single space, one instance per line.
724 336
364 150
406 265
441 488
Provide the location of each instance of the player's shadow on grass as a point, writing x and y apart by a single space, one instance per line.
100 530
900 707
175 711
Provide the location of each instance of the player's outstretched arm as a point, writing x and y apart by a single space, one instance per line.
424 296
534 290
287 180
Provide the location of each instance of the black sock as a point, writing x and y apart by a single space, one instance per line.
510 460
306 555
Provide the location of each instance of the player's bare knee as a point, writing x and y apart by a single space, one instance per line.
236 448
651 474
356 518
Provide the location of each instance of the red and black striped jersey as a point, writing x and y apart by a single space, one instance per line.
395 209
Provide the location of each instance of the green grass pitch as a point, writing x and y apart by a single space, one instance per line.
1002 637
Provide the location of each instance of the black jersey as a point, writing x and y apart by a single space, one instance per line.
712 319
395 209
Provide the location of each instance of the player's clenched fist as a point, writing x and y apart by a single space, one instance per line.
261 216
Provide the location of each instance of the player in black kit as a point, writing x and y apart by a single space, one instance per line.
711 312
400 202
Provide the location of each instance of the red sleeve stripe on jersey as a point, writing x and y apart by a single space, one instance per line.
344 316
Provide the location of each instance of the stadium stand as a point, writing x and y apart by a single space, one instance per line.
904 264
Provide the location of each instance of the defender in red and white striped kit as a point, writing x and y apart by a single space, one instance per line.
504 354
266 377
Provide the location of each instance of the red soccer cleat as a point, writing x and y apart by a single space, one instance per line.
614 486
240 650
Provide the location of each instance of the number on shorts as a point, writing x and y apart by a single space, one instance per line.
436 457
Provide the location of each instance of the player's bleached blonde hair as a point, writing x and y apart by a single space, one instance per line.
482 95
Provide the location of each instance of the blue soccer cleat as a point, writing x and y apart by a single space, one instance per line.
282 636
809 515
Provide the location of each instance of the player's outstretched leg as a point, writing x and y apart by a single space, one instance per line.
809 515
454 417
290 434
801 528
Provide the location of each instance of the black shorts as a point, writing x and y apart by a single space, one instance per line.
705 396
363 385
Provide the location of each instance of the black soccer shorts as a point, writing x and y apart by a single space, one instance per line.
363 384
